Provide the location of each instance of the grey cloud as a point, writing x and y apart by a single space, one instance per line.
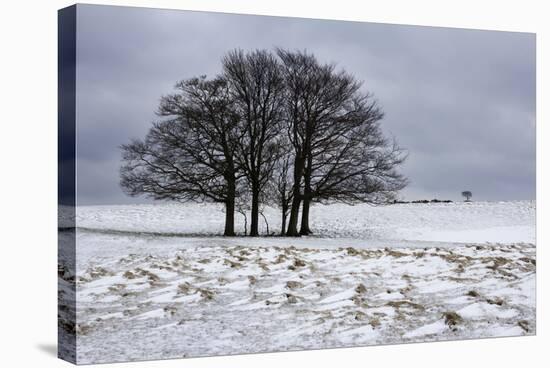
461 101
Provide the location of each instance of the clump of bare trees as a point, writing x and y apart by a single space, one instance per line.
274 128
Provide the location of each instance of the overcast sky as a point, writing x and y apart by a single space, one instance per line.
462 102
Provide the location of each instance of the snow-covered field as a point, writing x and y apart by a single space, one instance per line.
154 281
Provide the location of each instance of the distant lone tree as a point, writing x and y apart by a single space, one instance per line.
467 194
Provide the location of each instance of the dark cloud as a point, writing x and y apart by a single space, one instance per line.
461 101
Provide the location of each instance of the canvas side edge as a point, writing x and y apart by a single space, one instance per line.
66 316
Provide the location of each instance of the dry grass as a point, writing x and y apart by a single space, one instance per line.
294 285
360 289
473 294
524 325
397 304
452 318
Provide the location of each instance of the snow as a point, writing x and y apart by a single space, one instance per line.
460 222
437 327
483 310
154 281
497 234
364 332
344 295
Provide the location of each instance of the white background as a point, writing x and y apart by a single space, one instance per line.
28 180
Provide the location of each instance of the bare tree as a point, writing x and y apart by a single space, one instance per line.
340 152
257 89
467 194
284 189
265 221
297 72
279 190
242 206
190 154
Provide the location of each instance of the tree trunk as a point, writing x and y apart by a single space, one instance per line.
296 198
230 210
304 229
284 212
245 222
229 218
293 220
254 213
266 223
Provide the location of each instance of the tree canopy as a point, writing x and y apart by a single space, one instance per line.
277 128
